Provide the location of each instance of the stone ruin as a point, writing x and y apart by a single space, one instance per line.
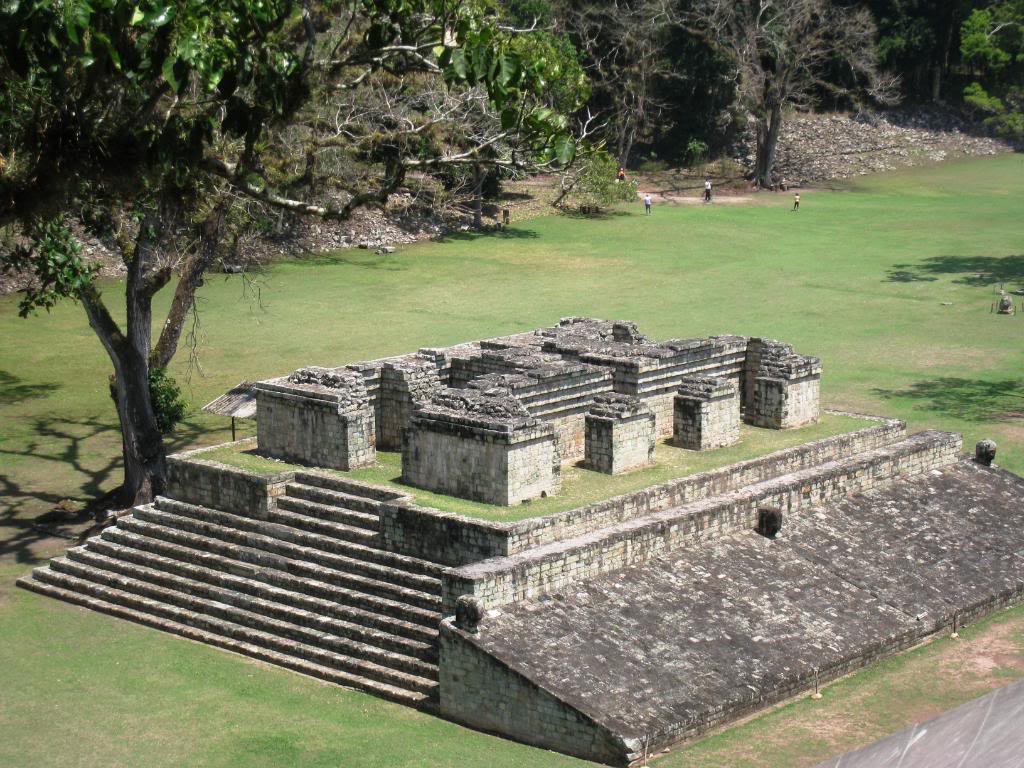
609 631
480 444
459 413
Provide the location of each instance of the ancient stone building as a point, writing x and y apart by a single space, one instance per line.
557 374
620 434
609 631
707 414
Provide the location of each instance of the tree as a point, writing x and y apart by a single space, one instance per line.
992 44
782 52
919 40
626 49
144 121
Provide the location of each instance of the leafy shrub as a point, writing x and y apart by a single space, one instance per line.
168 404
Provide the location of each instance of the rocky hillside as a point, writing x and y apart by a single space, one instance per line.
816 148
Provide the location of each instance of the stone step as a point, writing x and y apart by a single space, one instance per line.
425 697
276 537
322 518
284 637
293 575
359 551
209 537
348 487
253 596
332 498
286 525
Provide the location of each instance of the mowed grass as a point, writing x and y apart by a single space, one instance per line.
890 281
579 485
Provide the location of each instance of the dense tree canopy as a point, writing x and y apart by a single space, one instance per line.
147 122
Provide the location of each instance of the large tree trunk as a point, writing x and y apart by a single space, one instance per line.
142 445
767 142
143 451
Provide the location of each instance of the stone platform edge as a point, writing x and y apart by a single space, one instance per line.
208 483
457 540
507 701
548 568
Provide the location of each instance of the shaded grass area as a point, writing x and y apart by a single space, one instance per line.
579 486
82 689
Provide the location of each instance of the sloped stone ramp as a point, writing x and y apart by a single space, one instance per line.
666 650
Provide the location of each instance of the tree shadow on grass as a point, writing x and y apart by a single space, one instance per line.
965 399
69 512
976 271
12 390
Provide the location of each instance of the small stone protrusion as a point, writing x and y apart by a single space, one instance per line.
985 452
469 612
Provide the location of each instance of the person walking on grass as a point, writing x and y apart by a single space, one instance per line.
647 203
796 201
707 189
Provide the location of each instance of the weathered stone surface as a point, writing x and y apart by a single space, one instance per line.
620 434
704 635
316 416
554 566
556 373
707 413
985 452
482 445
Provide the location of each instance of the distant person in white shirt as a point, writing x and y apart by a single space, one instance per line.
707 190
647 203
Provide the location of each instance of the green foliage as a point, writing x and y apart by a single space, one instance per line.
597 185
56 262
169 405
696 151
992 42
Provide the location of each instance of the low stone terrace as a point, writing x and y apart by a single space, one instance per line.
579 486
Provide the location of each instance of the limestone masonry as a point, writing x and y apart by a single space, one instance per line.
558 375
609 631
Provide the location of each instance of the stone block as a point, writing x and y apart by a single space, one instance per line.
620 434
318 417
707 414
481 445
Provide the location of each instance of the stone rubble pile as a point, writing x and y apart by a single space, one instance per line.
815 148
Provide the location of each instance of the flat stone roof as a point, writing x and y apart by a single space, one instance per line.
494 409
657 649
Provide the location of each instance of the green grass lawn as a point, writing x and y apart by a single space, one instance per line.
890 281
579 486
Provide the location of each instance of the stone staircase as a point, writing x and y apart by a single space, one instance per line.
307 588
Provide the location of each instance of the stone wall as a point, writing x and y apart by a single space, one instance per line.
707 414
557 565
480 445
619 435
317 417
781 388
196 480
460 540
441 537
531 533
403 383
480 691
